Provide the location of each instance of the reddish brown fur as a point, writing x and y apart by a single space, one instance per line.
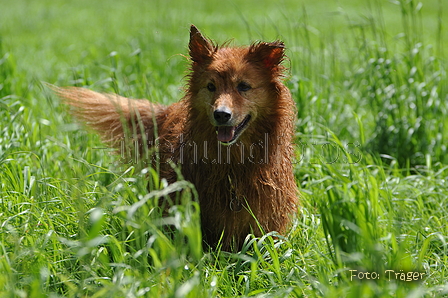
254 174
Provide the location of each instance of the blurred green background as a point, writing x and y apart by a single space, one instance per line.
48 36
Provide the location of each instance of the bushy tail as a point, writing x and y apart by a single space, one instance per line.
113 117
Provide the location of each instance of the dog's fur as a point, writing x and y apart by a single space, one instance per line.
231 135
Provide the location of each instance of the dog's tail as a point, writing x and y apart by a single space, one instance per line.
115 118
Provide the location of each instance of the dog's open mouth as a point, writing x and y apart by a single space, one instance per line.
228 134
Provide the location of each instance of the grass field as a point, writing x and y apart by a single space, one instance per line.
369 79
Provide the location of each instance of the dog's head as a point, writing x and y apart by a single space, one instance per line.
234 86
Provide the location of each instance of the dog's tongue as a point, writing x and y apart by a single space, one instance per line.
225 133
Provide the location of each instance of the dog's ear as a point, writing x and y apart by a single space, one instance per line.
201 49
271 54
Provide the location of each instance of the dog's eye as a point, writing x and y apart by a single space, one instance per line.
243 87
211 87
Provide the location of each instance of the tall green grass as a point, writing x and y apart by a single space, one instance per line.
370 162
395 85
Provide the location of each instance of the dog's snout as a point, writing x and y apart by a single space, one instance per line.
222 115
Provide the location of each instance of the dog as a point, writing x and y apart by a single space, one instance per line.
231 135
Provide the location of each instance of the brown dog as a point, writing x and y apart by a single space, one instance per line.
231 135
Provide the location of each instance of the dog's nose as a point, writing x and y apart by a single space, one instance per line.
222 115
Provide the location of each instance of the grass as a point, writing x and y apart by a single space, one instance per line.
369 79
